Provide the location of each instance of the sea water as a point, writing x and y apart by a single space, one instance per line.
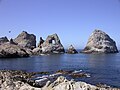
103 68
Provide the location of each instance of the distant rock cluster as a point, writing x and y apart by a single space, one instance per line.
24 45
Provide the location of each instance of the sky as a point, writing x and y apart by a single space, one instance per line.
72 20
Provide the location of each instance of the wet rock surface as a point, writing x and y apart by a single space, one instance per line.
26 40
21 80
100 42
71 50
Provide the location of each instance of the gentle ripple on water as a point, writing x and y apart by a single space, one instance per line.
104 68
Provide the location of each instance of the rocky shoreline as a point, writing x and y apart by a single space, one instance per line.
22 80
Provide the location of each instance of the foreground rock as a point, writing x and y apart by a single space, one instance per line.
100 42
71 50
10 50
26 40
3 40
14 80
52 45
19 80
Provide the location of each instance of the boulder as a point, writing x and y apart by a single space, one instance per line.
3 40
26 40
9 50
52 45
100 42
63 84
71 50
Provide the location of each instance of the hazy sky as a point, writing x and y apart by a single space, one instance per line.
72 20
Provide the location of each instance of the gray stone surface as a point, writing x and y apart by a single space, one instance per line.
71 50
37 51
19 80
52 45
26 40
100 42
8 50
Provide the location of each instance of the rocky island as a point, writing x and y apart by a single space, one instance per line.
24 45
100 42
71 50
51 45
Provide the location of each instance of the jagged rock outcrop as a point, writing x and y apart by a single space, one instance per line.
100 42
52 45
10 50
41 42
71 50
19 80
3 40
26 40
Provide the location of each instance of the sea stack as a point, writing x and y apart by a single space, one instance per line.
100 42
26 40
52 45
71 50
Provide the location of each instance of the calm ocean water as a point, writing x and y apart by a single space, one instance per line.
104 68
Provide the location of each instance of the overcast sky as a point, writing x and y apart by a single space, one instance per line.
72 20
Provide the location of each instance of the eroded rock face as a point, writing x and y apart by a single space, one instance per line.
26 40
3 40
71 50
10 50
100 42
52 45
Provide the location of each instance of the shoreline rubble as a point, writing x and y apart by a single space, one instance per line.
21 80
